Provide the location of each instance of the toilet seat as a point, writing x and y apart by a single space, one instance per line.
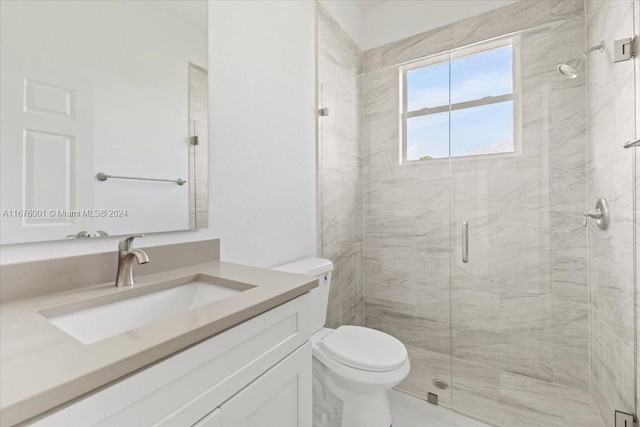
364 348
362 380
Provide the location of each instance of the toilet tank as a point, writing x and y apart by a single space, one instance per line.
320 268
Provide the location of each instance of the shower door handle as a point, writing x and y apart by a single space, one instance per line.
465 242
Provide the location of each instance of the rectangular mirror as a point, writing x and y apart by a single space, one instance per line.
104 118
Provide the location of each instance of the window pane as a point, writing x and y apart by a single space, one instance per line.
487 73
428 137
487 129
428 87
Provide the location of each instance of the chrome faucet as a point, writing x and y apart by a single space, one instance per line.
125 261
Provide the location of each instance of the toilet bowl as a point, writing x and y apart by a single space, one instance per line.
353 366
363 392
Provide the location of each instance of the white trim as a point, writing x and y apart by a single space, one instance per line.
517 95
401 108
448 56
487 100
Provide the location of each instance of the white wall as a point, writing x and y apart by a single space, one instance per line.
372 24
398 19
262 121
348 14
262 64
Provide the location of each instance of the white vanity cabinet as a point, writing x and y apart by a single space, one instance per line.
255 374
279 398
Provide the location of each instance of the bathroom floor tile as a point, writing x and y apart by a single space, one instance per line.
409 411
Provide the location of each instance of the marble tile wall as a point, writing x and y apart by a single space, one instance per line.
509 331
340 63
610 107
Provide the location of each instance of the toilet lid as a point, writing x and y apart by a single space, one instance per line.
365 348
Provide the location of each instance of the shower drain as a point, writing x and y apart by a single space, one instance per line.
440 384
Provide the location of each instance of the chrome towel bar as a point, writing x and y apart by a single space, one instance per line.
101 176
632 144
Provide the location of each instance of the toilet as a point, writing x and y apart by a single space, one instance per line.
353 366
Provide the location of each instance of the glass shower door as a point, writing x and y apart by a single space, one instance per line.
520 298
406 242
340 197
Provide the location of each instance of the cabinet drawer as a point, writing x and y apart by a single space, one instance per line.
280 397
212 371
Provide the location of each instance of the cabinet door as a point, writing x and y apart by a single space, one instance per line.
211 420
280 397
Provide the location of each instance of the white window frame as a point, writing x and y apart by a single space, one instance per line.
451 55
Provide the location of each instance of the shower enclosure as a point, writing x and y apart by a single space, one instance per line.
468 245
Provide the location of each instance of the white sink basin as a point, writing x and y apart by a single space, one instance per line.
106 319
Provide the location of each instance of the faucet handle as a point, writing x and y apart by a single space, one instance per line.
593 213
126 243
600 214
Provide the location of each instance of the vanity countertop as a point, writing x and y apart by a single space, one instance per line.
43 367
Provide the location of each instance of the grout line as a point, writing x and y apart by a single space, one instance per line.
586 154
634 182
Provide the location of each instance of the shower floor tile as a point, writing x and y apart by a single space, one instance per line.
409 411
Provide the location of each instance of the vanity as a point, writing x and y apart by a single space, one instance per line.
195 344
105 133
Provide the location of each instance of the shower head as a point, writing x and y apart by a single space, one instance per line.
570 68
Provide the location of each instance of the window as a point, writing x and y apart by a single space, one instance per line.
460 103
